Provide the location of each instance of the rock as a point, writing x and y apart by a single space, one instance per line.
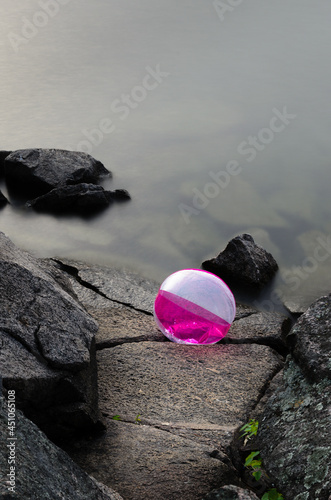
120 195
48 343
76 198
260 328
295 436
144 462
42 471
231 492
3 200
118 286
3 155
243 264
121 325
38 171
179 406
176 384
310 340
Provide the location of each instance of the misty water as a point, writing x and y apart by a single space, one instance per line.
216 120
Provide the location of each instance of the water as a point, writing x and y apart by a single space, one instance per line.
81 80
182 321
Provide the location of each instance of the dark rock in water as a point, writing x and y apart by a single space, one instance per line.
310 340
41 470
243 264
231 492
120 194
3 200
294 436
38 171
3 155
77 198
47 343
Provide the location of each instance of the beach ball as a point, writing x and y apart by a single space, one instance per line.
194 307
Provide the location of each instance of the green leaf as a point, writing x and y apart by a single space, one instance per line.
257 474
272 495
116 417
250 429
250 457
256 463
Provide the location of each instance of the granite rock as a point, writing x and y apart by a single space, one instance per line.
74 198
295 436
38 171
243 264
41 470
310 340
48 342
231 492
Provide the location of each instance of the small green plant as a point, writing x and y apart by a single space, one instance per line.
272 495
138 419
254 461
250 429
116 417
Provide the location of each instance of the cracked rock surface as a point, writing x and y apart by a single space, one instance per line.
171 412
176 407
43 471
47 343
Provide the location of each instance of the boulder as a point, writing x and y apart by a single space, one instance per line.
243 264
74 198
3 200
39 469
3 155
120 195
310 340
231 492
294 436
48 343
38 171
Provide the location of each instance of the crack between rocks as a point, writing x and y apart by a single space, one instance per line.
171 427
274 344
266 386
74 272
108 344
245 315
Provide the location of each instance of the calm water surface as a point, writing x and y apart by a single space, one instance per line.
79 76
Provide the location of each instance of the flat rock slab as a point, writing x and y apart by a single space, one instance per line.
179 406
121 325
42 470
167 382
231 492
120 286
145 463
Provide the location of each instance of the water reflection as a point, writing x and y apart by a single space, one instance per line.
225 78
